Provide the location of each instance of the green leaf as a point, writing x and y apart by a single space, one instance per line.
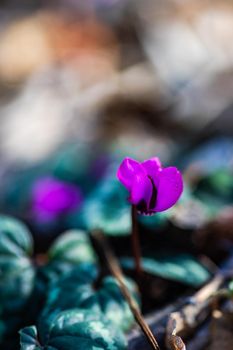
182 268
109 299
28 339
230 287
63 294
215 190
71 163
75 329
159 220
16 273
72 250
218 183
15 195
78 290
15 237
74 247
107 209
69 251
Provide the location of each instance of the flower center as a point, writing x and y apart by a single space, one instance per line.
154 194
142 207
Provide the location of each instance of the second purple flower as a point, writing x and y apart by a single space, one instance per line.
52 198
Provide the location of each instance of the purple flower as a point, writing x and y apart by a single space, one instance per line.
52 197
152 188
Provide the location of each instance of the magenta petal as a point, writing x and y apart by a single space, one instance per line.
152 166
170 187
127 170
141 190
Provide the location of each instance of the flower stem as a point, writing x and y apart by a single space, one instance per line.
116 271
135 242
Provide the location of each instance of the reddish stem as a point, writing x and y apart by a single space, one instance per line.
135 242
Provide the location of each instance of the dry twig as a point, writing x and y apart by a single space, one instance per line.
118 274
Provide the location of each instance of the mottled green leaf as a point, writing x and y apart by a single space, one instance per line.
107 209
16 273
28 339
73 246
75 329
15 237
182 268
78 289
70 251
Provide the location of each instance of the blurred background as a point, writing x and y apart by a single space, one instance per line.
85 83
142 76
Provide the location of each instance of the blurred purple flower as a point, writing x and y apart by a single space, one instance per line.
152 188
52 197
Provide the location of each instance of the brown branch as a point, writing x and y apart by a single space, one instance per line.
189 312
118 274
192 314
173 341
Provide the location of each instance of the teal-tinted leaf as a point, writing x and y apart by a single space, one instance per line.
28 339
78 290
15 288
16 191
230 287
212 203
73 247
182 268
16 273
109 299
70 251
81 164
71 164
154 221
216 190
64 293
76 329
221 183
107 209
218 184
15 237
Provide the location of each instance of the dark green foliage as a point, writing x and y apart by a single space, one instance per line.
182 268
78 289
216 190
69 251
230 288
16 274
74 329
106 208
72 247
